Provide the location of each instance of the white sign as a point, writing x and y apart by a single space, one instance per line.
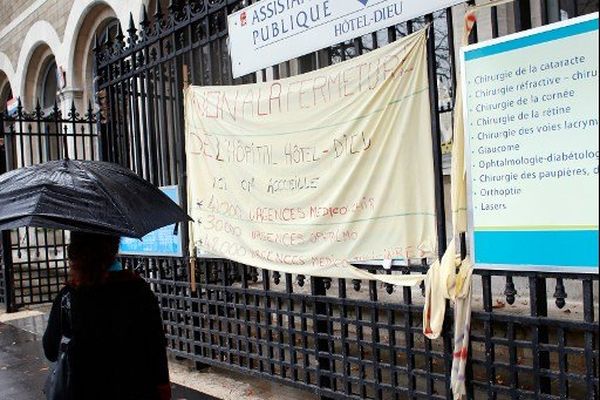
273 31
531 112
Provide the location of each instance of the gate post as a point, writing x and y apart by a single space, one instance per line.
440 208
6 245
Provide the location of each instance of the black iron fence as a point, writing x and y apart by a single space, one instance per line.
34 260
335 338
338 339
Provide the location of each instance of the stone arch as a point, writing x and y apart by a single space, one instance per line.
82 8
78 38
5 95
80 69
40 78
5 90
7 77
40 43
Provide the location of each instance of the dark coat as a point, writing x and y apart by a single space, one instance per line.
118 342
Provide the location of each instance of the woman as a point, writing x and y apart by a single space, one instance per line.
117 349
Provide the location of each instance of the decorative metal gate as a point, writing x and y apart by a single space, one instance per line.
33 260
335 338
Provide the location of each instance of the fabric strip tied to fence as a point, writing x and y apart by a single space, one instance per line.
451 278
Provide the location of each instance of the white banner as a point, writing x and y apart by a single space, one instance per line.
306 174
273 31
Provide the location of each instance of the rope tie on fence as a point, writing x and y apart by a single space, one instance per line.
450 278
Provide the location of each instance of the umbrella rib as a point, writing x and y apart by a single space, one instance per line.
62 224
49 215
45 190
36 211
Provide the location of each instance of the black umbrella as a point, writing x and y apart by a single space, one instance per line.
87 196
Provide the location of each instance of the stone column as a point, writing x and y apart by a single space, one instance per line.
70 97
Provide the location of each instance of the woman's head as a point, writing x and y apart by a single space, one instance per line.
90 256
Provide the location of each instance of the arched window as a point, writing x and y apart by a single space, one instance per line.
48 85
5 95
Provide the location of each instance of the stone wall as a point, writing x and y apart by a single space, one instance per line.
56 12
26 25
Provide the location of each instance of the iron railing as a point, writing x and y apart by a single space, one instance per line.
335 338
34 260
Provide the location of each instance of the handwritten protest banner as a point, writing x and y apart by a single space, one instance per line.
307 174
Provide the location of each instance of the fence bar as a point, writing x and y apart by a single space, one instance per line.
522 10
436 139
539 309
34 259
9 291
591 342
322 345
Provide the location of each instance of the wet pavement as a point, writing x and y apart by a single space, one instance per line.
23 367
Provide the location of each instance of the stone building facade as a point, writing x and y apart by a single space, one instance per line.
46 47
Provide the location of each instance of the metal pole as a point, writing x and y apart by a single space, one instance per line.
9 290
440 207
451 49
306 64
522 10
436 140
99 100
7 165
539 309
181 83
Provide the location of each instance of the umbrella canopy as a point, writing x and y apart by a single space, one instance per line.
87 196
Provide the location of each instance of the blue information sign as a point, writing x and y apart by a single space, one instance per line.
531 119
162 242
